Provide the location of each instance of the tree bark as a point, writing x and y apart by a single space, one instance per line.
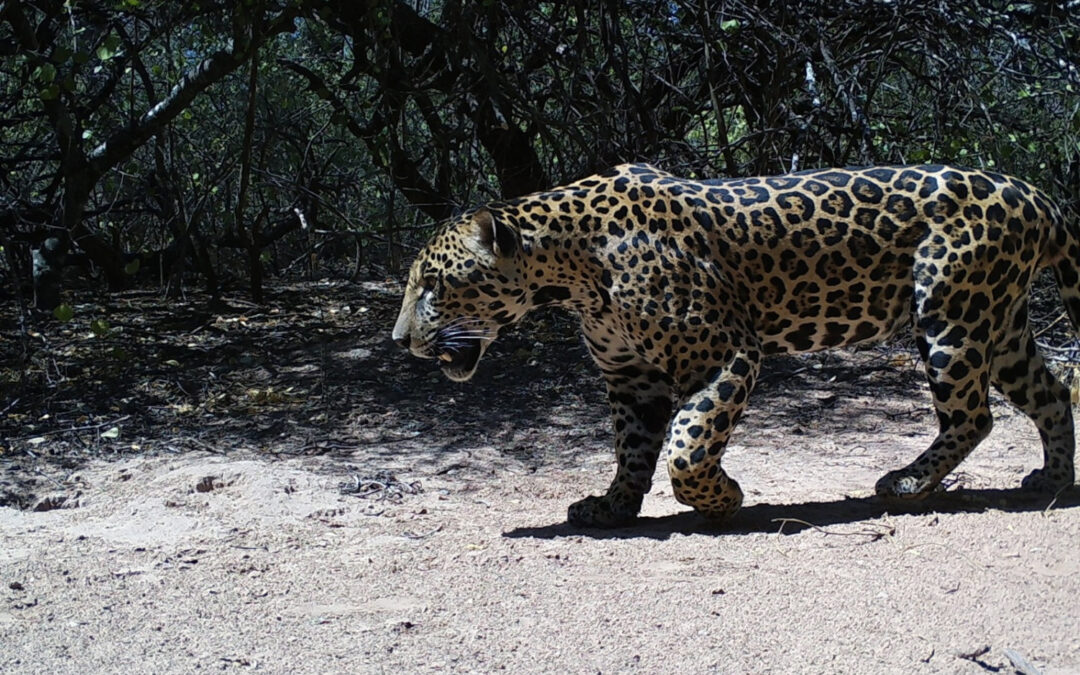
249 235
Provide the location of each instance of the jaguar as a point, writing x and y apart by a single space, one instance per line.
683 286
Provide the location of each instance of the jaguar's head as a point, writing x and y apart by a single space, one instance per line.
464 286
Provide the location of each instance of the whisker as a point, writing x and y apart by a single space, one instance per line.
462 340
465 329
465 333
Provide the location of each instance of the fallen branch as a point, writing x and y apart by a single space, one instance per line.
1046 329
875 534
383 485
69 430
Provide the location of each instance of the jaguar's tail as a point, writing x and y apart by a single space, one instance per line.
1065 249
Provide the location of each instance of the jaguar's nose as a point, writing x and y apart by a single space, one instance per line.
402 342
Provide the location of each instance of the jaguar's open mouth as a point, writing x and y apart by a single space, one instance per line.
459 361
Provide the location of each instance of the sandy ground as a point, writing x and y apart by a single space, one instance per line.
422 548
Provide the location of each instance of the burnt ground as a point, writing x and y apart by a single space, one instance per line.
222 485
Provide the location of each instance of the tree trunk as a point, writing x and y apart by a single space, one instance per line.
249 235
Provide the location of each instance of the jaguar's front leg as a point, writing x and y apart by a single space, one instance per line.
700 432
640 399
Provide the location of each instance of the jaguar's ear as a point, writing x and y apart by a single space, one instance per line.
496 236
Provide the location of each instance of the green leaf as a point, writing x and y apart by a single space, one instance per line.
99 327
45 73
108 47
132 267
919 155
64 312
113 432
49 93
729 25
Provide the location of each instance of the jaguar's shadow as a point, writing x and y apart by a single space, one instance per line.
794 518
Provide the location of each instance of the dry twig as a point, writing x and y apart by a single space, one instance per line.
880 532
383 486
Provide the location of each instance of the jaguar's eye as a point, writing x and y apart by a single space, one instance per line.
427 284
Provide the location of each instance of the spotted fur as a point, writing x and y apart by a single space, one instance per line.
683 286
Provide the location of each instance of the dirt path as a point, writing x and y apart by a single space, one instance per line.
377 519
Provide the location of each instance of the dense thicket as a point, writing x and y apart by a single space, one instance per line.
214 142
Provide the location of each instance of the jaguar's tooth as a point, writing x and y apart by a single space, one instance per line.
445 356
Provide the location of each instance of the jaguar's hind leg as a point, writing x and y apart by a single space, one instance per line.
1022 376
699 435
957 366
